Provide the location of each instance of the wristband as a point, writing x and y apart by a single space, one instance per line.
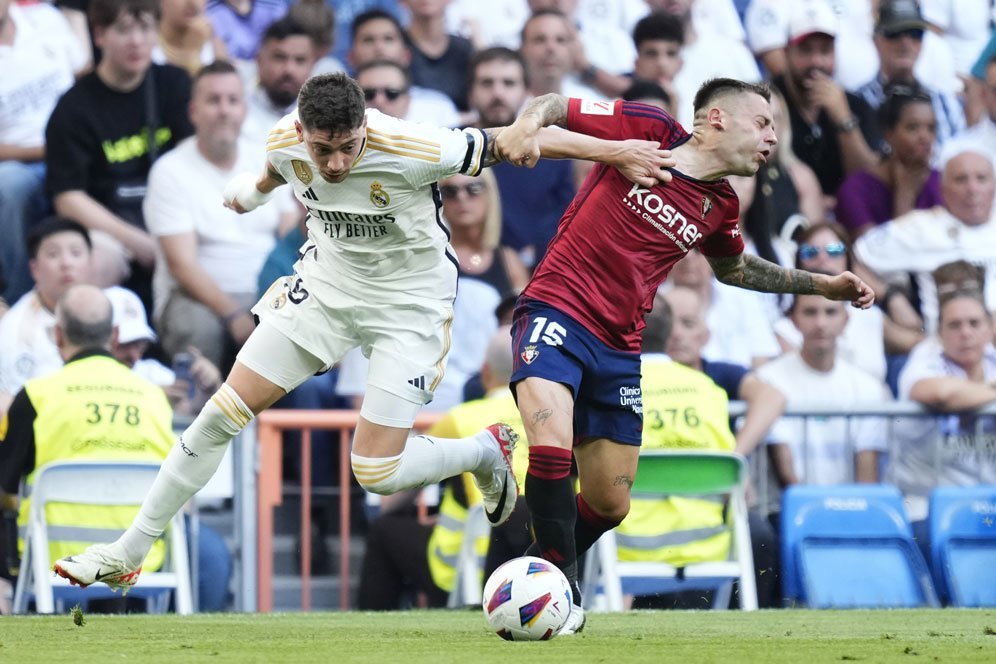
848 125
242 189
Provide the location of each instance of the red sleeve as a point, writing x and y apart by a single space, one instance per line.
727 240
619 120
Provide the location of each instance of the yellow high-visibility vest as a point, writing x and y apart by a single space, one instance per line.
95 408
682 408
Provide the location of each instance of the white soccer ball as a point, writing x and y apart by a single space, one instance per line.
527 599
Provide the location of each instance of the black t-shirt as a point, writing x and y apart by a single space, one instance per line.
447 73
96 138
817 145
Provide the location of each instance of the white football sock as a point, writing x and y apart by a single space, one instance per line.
425 460
187 468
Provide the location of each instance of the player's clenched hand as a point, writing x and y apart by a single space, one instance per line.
242 193
518 144
847 286
644 162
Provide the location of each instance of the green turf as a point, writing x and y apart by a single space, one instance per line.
733 637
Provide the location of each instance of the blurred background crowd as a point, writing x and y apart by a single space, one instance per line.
122 120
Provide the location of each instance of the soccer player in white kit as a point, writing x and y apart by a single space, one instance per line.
376 272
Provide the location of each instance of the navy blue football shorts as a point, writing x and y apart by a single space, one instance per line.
605 382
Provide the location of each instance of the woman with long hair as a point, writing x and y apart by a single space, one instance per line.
904 179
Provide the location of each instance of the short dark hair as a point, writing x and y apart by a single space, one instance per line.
719 87
659 322
897 97
215 68
641 89
393 64
283 28
50 226
539 14
331 102
495 53
86 333
375 15
318 17
103 13
658 26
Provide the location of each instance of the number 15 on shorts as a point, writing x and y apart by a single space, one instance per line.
549 332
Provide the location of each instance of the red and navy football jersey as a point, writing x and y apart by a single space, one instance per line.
618 241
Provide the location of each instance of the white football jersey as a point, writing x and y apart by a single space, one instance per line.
380 229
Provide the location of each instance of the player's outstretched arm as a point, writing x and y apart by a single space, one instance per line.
246 192
753 273
518 144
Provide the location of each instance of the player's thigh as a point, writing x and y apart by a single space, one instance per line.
549 356
606 470
270 365
407 344
316 317
547 411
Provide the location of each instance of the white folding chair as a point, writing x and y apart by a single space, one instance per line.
467 589
95 483
663 473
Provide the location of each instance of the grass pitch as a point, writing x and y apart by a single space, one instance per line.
439 637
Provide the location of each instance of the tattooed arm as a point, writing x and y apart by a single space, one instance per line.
530 137
753 273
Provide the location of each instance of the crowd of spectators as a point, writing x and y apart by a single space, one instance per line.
122 120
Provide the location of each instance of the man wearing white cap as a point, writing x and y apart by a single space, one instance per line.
133 340
832 130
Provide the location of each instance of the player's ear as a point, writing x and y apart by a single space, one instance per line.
715 117
299 129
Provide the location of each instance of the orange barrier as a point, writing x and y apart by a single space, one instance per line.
269 427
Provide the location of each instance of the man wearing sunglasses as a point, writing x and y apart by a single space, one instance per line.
578 323
387 85
377 273
899 40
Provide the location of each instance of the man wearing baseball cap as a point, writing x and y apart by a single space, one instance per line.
900 38
833 130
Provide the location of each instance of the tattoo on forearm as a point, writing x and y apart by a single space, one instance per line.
623 480
754 273
490 156
541 416
549 109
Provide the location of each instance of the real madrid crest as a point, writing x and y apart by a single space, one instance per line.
529 354
378 196
302 171
279 301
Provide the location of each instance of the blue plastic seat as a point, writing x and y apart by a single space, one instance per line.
962 525
851 546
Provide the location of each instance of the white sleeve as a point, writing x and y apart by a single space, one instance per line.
163 207
897 245
766 22
437 153
925 361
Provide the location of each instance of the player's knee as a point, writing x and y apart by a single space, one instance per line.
609 509
380 476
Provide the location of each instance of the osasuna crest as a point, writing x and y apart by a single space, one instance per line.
302 171
529 354
378 196
706 206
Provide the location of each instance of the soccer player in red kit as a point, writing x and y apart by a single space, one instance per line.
578 324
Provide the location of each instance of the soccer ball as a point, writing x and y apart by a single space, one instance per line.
527 599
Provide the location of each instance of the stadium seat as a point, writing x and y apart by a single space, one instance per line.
962 524
851 546
96 483
664 473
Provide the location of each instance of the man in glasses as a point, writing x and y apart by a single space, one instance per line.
377 273
386 86
899 37
578 323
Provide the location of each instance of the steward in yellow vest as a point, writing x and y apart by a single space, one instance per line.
682 408
93 408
